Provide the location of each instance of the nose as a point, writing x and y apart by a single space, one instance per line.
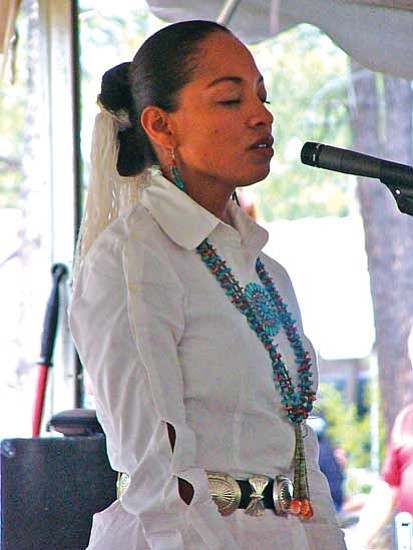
260 115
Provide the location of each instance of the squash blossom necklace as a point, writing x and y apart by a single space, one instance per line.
265 311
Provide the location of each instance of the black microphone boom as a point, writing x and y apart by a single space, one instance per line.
397 177
351 162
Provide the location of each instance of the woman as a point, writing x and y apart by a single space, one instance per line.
200 373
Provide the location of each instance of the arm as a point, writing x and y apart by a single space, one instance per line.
127 318
376 512
383 497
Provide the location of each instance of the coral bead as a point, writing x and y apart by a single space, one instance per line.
295 507
306 509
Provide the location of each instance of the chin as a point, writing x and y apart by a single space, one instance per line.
256 176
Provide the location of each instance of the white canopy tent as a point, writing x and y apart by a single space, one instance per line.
377 33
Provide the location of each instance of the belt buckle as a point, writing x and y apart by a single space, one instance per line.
225 492
282 495
256 506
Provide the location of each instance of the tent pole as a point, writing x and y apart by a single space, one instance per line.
77 168
227 11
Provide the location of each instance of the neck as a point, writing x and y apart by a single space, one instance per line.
215 202
209 193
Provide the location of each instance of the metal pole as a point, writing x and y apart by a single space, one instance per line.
227 11
77 168
76 94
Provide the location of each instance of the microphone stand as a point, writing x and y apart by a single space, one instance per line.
401 191
59 271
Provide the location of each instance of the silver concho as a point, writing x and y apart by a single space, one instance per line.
224 491
122 484
282 495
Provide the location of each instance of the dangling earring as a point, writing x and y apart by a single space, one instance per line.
235 198
175 173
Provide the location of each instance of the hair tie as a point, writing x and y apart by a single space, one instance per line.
120 117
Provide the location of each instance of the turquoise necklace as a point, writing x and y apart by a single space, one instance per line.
297 402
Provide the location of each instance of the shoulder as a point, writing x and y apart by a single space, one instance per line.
274 266
138 250
280 275
134 231
283 284
135 228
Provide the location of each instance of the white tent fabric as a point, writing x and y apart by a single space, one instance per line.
377 34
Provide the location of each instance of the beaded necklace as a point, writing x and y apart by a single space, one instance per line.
297 402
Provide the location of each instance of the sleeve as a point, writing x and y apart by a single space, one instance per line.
391 468
127 318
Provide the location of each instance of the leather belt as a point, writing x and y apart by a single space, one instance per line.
253 495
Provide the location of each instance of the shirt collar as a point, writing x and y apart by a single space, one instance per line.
187 223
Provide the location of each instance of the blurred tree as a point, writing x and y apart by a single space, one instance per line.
381 120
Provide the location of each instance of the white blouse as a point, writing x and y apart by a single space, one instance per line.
162 343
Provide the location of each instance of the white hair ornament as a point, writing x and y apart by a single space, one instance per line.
108 194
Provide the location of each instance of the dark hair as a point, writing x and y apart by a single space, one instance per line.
162 66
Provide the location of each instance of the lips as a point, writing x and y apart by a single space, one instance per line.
265 142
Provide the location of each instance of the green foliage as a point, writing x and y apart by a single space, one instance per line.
307 77
345 428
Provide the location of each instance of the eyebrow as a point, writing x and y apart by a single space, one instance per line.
235 79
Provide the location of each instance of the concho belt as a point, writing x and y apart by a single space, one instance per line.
253 495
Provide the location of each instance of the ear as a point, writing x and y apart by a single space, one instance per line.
156 123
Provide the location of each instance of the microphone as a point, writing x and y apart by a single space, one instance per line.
358 164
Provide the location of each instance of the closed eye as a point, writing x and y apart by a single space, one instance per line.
231 102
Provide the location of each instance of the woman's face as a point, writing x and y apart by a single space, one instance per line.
222 126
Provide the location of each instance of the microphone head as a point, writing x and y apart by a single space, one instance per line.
310 153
